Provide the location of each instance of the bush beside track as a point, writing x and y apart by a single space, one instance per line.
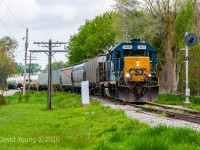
91 127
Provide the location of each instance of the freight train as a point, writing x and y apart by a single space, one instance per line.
126 72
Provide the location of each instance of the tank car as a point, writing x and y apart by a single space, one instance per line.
33 82
131 73
15 82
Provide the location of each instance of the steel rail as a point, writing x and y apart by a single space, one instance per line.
186 111
169 114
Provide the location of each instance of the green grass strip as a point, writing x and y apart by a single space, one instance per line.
27 124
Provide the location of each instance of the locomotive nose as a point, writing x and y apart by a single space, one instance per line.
135 68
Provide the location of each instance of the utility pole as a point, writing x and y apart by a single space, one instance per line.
26 48
30 69
49 52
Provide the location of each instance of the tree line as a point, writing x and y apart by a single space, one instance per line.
163 24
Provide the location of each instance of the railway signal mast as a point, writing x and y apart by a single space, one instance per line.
50 45
190 40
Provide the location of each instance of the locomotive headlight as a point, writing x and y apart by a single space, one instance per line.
128 75
137 63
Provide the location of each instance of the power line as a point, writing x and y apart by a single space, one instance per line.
6 28
20 51
13 15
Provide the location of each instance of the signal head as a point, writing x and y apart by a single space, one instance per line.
190 39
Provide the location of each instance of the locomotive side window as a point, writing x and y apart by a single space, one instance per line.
150 54
117 54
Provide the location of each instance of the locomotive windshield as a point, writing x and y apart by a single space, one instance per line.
134 53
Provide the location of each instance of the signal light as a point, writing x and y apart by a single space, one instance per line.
190 39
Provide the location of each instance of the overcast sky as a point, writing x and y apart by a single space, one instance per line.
46 19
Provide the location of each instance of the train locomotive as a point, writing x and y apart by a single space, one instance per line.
131 73
126 72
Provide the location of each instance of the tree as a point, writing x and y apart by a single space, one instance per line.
56 65
20 68
93 38
185 22
128 21
166 12
7 47
32 68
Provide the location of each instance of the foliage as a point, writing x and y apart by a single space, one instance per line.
129 20
33 68
20 68
184 23
2 100
56 65
7 47
93 38
194 70
20 97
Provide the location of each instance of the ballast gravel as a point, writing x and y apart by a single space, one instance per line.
150 118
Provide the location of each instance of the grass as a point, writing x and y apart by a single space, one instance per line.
29 125
175 99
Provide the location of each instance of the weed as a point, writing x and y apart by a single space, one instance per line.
139 111
20 97
2 100
27 97
164 114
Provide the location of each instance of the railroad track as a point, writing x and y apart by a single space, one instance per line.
171 112
167 111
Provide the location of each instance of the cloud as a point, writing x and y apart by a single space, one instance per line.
48 19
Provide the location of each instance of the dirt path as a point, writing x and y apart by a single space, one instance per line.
9 92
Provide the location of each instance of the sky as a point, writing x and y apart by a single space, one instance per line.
46 19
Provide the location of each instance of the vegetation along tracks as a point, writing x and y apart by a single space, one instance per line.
167 111
171 112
